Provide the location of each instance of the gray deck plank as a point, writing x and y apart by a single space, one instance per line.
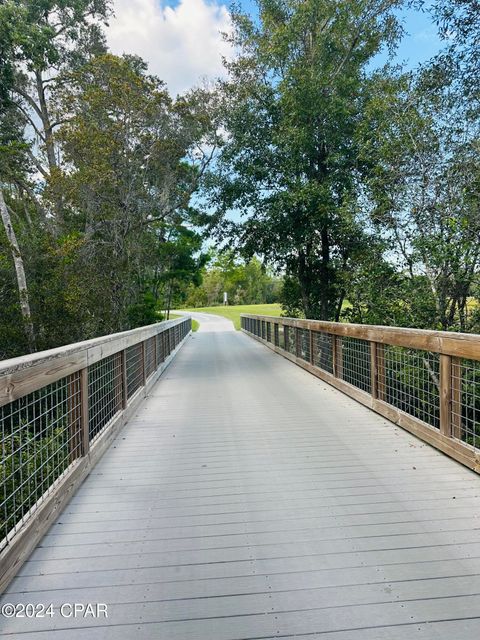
246 499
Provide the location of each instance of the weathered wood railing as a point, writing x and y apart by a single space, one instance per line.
427 382
59 412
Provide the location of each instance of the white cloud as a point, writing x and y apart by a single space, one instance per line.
182 44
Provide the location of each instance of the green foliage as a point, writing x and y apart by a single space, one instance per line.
245 282
293 103
423 191
355 193
30 463
124 247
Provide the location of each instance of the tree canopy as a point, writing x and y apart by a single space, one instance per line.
345 189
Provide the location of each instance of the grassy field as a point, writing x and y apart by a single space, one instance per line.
195 323
233 312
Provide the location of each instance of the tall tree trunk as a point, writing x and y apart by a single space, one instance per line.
338 310
20 273
169 302
325 303
304 282
46 124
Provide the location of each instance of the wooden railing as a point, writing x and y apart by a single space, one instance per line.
59 412
427 382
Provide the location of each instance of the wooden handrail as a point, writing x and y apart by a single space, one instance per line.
73 399
22 375
384 390
463 345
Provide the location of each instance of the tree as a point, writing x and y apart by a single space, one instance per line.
98 165
20 272
180 263
245 282
47 40
424 188
134 157
290 165
13 166
459 26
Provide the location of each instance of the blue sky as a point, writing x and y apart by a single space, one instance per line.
420 42
181 39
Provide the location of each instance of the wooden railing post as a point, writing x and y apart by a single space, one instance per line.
337 356
311 345
333 339
445 395
84 432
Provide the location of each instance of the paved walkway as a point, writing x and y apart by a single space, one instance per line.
249 500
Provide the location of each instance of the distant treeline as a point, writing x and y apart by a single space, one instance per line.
243 282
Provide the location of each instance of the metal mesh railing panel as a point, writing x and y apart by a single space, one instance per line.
303 341
150 364
40 438
466 401
322 351
290 340
134 359
356 368
281 336
159 349
269 332
410 382
104 393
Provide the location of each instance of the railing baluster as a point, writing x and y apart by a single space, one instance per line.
333 338
338 356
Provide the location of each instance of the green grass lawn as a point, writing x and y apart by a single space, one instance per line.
233 312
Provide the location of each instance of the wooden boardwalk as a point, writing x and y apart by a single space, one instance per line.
249 500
